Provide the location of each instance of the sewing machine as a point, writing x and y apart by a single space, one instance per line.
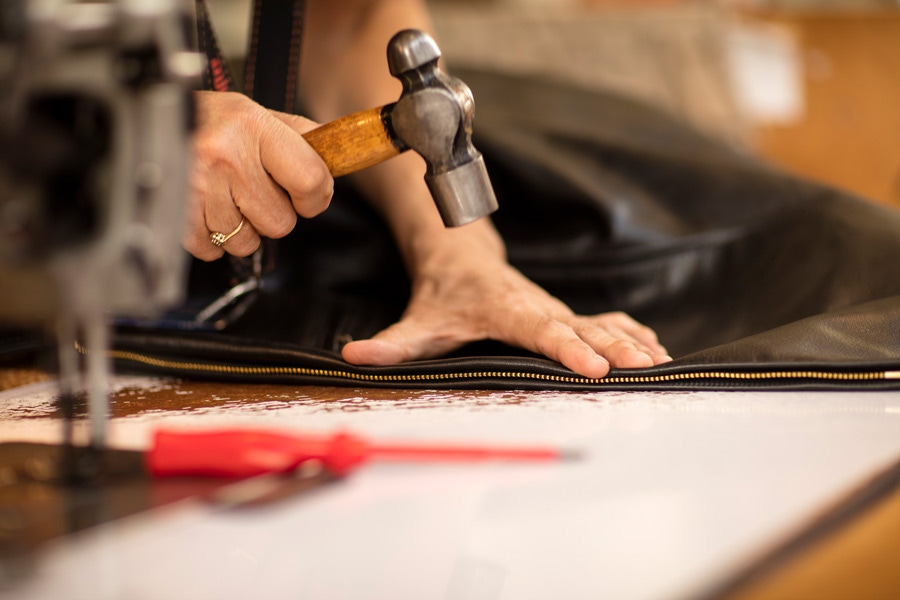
95 119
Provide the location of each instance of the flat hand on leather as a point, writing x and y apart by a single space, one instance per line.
751 278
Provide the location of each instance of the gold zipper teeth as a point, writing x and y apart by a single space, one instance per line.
348 375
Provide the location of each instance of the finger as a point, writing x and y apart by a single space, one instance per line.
220 215
657 354
264 203
295 166
403 341
373 352
257 193
656 351
620 334
620 351
195 237
212 211
242 240
615 332
560 342
638 331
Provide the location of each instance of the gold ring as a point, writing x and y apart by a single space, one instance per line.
218 239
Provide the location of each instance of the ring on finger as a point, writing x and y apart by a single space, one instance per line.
218 238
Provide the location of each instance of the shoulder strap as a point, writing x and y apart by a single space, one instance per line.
273 55
216 76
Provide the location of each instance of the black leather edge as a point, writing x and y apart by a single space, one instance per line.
226 358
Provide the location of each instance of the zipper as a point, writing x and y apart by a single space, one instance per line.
737 376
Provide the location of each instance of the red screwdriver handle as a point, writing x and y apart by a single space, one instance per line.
239 453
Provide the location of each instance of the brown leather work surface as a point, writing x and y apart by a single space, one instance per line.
13 378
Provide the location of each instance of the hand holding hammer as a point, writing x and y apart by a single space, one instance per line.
252 176
433 117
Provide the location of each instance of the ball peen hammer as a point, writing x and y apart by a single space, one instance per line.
433 117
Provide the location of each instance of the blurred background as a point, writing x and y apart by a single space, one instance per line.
812 85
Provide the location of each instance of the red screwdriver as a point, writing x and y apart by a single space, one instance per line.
240 453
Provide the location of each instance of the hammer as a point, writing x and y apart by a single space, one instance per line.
433 117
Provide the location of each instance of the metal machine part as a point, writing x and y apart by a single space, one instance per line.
95 124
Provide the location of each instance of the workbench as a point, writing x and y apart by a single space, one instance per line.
677 495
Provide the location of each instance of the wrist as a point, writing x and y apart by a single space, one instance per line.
433 247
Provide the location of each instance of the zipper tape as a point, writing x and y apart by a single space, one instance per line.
480 374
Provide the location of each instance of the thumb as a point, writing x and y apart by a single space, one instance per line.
401 342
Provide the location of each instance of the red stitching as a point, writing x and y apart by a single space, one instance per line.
219 77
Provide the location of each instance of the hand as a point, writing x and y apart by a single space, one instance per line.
250 163
466 291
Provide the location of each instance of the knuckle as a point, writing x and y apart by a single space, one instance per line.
215 140
542 326
215 147
313 178
268 212
312 189
552 336
282 225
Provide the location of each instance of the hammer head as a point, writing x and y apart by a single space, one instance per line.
434 117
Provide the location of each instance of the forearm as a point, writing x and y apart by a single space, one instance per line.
344 63
344 70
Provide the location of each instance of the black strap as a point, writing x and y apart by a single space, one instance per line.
273 55
273 58
217 75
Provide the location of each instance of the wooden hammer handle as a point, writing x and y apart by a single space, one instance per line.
356 141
